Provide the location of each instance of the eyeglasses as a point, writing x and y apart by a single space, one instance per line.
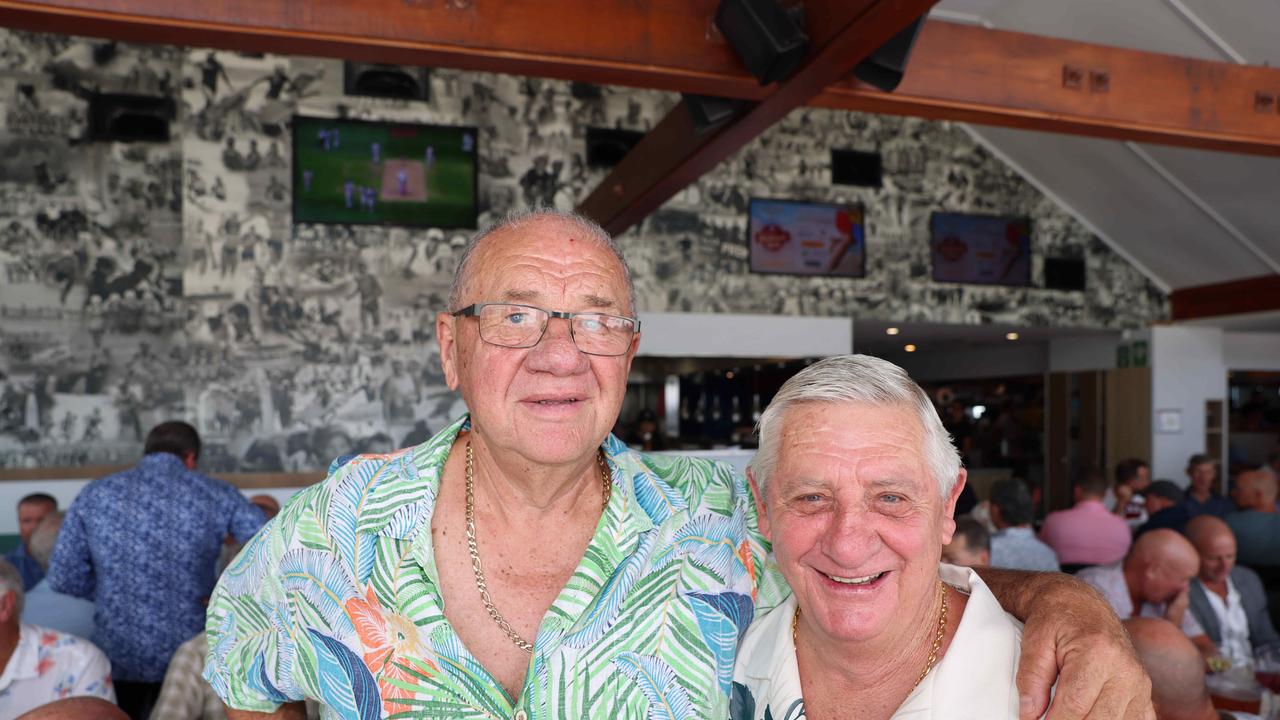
522 326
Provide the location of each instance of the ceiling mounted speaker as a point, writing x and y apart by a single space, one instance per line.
386 81
885 67
769 39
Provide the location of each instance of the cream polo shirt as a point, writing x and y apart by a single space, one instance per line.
973 681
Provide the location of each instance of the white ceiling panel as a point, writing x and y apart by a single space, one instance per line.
1126 201
1139 24
1242 190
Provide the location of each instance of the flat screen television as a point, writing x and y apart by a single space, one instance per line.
980 249
384 173
806 238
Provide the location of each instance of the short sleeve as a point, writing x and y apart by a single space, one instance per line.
249 664
93 677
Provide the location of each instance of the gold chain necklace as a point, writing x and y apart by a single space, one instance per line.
937 639
481 585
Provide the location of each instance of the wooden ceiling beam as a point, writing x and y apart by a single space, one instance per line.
663 164
957 72
1237 297
993 77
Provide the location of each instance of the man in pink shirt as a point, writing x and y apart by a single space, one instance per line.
1087 534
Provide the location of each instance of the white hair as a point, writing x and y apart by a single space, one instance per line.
11 581
859 379
521 217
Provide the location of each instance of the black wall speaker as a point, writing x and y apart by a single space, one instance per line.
1064 273
607 146
885 67
709 112
769 39
852 167
386 81
130 118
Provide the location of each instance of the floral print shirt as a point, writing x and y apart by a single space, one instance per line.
338 600
47 665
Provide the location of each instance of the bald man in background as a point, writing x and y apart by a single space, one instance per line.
1257 525
1228 600
1177 672
1154 580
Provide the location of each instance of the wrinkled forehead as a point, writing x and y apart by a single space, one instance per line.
547 261
846 439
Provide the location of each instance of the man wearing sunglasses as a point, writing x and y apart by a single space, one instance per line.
524 563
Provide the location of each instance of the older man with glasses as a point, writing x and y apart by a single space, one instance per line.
525 563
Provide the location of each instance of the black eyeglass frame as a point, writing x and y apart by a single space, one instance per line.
473 310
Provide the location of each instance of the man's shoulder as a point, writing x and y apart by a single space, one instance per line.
700 482
61 643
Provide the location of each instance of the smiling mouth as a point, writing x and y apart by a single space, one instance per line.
865 580
564 401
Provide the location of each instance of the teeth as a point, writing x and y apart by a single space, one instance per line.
557 402
856 581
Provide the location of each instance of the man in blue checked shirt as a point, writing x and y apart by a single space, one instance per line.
143 544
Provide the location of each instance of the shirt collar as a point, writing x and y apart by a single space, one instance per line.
162 460
768 657
25 659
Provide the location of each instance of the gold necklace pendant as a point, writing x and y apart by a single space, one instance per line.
474 548
937 639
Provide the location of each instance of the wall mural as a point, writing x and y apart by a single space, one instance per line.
141 282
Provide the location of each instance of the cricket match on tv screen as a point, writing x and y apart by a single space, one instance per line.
383 173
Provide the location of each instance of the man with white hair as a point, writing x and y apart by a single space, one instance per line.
39 665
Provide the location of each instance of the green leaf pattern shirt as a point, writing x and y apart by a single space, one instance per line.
337 599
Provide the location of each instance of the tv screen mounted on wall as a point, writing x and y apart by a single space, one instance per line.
804 238
385 173
980 249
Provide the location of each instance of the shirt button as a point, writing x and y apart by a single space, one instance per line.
521 715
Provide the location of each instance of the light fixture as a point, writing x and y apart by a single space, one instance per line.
910 348
891 331
1011 336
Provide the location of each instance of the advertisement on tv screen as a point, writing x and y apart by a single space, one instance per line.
981 249
349 171
806 238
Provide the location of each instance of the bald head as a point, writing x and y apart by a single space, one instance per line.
573 223
1256 490
76 708
1216 545
1160 566
1176 669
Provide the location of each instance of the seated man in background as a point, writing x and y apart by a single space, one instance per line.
39 665
1177 672
77 708
1132 478
1153 581
45 606
1087 534
970 546
1165 507
31 510
1257 524
1014 546
1228 600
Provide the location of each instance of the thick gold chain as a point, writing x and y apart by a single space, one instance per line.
937 639
483 586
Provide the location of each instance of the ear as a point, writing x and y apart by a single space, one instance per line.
446 324
985 557
762 517
8 606
189 460
949 508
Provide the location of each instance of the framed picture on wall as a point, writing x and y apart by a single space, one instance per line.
807 238
980 249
